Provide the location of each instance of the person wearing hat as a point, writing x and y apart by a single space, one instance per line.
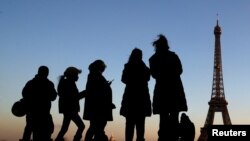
69 97
38 94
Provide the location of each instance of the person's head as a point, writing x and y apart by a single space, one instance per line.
161 43
43 71
135 55
72 73
97 66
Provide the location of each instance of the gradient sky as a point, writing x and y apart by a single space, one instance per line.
62 33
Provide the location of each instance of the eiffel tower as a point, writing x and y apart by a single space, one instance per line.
218 101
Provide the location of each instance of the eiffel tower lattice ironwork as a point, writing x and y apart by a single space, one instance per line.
218 101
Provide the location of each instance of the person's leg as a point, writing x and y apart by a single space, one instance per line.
79 123
36 127
64 128
91 131
42 126
28 129
129 129
163 127
174 124
47 128
100 131
140 128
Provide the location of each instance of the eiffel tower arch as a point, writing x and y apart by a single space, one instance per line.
218 101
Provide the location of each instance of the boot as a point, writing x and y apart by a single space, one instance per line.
77 138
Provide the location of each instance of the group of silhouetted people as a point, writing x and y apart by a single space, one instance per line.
168 99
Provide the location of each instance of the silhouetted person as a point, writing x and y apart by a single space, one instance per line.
169 97
69 97
38 94
98 102
136 103
187 128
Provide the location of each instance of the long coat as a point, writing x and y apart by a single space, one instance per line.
98 100
68 97
136 99
169 93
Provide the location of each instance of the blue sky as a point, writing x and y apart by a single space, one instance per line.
62 33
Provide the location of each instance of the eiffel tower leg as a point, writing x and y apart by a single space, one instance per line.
210 116
209 121
225 116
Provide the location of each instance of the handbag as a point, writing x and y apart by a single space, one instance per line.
18 108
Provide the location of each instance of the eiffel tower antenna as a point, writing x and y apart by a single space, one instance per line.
218 101
217 18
